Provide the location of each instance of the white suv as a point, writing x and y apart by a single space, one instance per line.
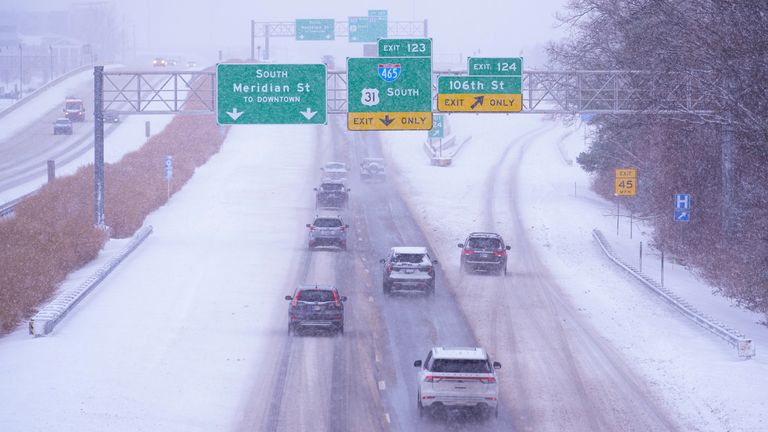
458 378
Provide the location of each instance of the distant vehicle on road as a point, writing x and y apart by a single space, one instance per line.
332 194
62 126
74 109
483 251
408 269
372 169
316 306
191 64
159 62
328 231
458 378
111 116
335 170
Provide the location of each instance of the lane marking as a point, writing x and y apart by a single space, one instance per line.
382 385
370 299
386 417
377 357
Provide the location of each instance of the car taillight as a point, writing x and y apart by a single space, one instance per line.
490 380
428 269
311 227
429 378
500 253
389 268
296 299
336 299
468 251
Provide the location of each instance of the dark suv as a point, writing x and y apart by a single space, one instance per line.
328 231
409 268
483 252
316 306
332 194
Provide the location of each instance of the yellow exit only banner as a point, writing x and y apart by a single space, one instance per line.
448 102
389 121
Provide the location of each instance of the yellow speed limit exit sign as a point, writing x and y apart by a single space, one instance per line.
625 182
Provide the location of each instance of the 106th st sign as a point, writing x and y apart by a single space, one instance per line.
271 94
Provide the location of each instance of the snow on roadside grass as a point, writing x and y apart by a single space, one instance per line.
694 371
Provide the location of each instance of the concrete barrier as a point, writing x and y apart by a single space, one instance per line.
51 314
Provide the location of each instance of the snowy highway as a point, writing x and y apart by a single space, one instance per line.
190 332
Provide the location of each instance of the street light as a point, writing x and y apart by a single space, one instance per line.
50 49
21 70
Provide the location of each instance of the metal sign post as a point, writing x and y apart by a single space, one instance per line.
98 143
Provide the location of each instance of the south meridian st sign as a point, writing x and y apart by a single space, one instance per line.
389 93
271 94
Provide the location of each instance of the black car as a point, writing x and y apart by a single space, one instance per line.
483 251
332 194
62 126
111 116
316 306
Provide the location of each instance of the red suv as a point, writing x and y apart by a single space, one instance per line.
484 252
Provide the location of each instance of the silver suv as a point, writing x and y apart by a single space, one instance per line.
409 268
458 378
328 231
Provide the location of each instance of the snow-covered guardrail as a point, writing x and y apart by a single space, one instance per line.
743 345
51 314
42 89
8 208
451 147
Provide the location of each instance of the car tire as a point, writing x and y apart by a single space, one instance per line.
291 330
496 411
419 406
386 288
431 288
341 329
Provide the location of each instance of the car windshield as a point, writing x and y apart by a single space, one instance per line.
327 223
410 258
460 366
484 243
73 105
315 295
332 186
335 166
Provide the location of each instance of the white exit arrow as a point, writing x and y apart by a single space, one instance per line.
308 114
235 114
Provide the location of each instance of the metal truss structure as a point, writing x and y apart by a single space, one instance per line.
155 92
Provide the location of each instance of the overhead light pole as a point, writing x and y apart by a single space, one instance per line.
21 70
50 50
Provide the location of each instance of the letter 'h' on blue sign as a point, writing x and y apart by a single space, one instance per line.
683 207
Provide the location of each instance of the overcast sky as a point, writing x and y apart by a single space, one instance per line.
494 27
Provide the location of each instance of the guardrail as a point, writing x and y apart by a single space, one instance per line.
744 346
51 314
8 208
45 87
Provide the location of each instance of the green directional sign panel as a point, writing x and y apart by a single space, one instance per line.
271 93
512 66
315 29
367 28
458 84
389 93
405 47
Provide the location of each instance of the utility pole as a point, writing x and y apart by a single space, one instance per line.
21 71
50 50
253 39
98 143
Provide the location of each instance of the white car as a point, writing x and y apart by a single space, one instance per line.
458 378
335 170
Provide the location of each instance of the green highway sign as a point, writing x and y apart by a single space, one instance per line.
496 66
389 93
405 47
271 93
460 84
368 28
438 128
315 29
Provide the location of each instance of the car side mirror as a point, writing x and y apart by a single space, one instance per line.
288 297
343 298
434 262
349 190
417 363
314 189
322 169
509 247
496 365
309 225
346 226
461 245
382 260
